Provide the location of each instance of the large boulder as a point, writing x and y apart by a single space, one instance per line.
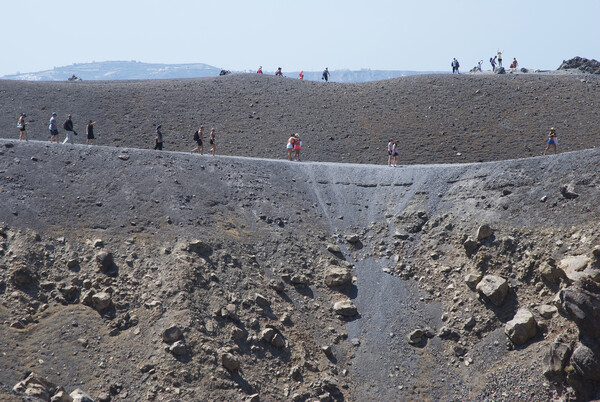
345 308
79 396
581 64
556 358
521 328
581 304
337 276
172 334
105 261
586 362
578 266
494 288
101 301
484 232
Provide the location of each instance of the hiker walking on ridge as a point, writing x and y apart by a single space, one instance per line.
53 127
395 154
158 145
213 141
390 148
21 126
325 74
198 139
68 126
455 65
89 131
552 140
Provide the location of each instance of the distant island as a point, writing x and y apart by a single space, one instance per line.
135 70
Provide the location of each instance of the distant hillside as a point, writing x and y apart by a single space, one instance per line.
120 70
134 70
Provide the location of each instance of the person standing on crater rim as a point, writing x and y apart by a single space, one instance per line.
493 63
89 131
21 126
198 139
158 145
389 150
455 66
499 58
259 70
290 146
297 146
68 126
325 74
53 129
213 141
301 75
552 140
279 73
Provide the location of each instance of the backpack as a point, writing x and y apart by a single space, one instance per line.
196 136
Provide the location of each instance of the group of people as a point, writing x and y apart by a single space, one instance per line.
199 136
494 61
279 73
497 60
53 127
294 144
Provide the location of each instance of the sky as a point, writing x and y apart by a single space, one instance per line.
421 35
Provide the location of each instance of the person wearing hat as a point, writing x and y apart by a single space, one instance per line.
159 139
552 140
53 129
21 126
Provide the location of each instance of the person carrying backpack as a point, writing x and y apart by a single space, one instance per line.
68 126
455 66
198 139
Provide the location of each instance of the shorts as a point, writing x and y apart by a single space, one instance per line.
22 128
53 132
199 142
212 142
297 147
289 146
389 152
90 136
551 142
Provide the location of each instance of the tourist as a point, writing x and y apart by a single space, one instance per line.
279 73
499 58
290 146
259 70
325 74
479 65
390 147
514 64
159 139
21 126
212 141
301 75
68 126
53 129
455 66
89 131
198 139
552 140
297 146
493 63
395 154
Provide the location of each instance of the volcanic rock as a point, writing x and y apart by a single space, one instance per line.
521 328
337 276
494 288
345 308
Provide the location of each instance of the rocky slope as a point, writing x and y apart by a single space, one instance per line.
435 118
137 275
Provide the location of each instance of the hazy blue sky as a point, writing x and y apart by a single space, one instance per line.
302 34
